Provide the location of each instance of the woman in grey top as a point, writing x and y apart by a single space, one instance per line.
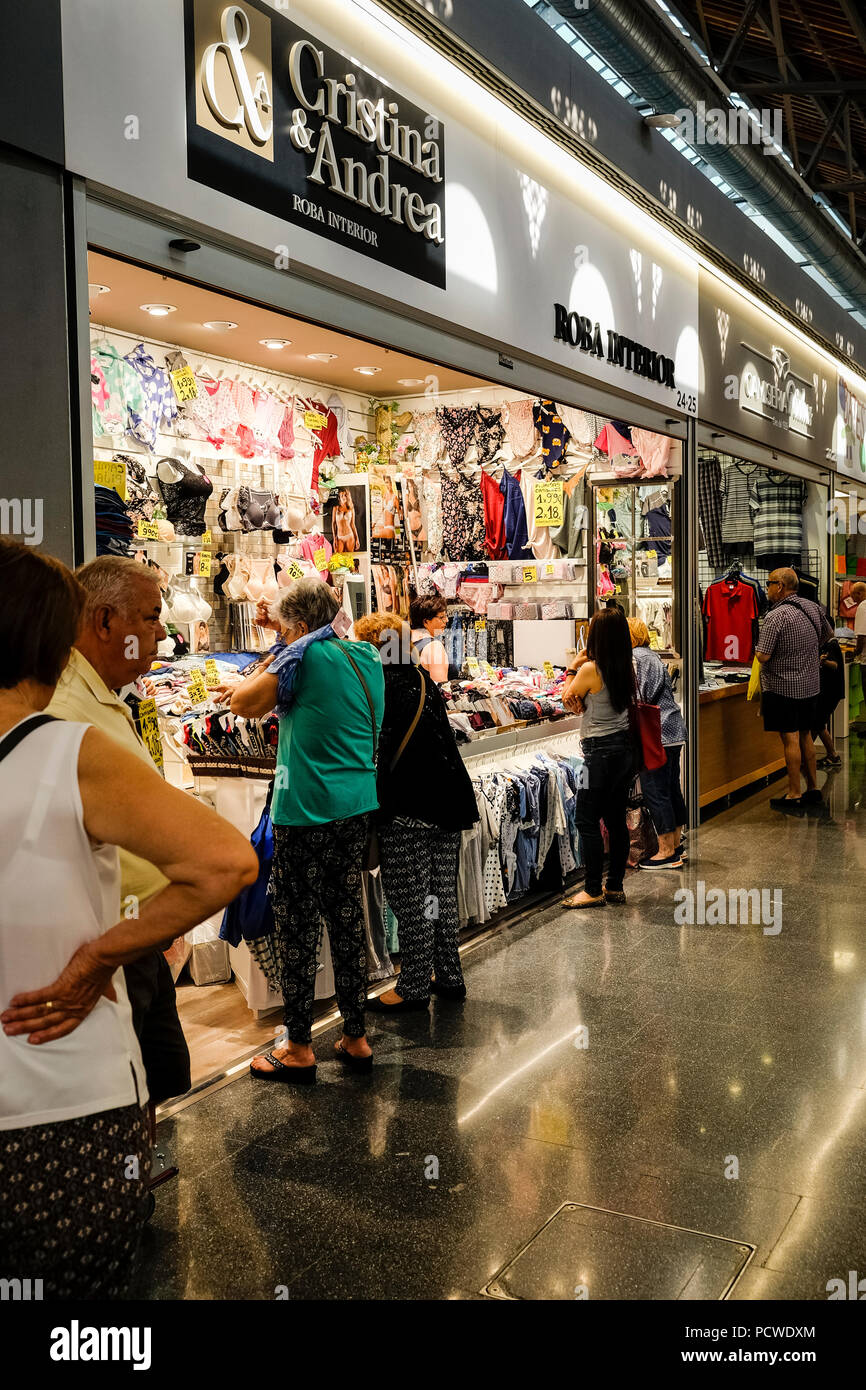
602 688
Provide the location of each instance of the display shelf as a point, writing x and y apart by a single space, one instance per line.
518 739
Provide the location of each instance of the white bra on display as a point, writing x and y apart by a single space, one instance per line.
262 583
238 575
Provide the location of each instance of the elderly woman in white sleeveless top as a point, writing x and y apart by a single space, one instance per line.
74 1151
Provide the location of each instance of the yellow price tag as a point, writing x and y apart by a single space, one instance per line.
148 531
184 384
474 668
314 420
320 559
655 644
201 565
550 570
148 721
530 574
549 671
211 674
294 570
197 690
110 473
207 540
490 670
480 624
549 503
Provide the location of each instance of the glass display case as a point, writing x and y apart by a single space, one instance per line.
633 530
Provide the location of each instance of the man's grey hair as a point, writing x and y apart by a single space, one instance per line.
306 601
112 581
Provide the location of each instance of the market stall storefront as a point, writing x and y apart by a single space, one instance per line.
320 344
764 487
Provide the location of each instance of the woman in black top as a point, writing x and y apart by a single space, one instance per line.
426 801
832 691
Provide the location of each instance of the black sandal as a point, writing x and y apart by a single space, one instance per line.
613 895
292 1076
359 1064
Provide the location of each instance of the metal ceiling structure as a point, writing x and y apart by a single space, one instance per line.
803 61
806 58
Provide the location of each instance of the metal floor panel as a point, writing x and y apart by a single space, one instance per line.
586 1252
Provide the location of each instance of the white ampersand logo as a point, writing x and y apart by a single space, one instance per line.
235 28
300 134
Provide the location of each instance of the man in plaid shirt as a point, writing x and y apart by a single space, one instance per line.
789 645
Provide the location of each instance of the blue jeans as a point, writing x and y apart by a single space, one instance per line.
663 794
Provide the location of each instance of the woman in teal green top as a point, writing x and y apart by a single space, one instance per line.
330 696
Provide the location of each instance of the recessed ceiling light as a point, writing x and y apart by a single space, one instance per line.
159 311
219 325
275 343
368 371
93 290
410 381
322 356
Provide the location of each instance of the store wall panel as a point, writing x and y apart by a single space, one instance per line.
526 226
35 424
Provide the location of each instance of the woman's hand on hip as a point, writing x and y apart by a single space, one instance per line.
53 1012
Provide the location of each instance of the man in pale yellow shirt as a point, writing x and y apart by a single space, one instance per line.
120 632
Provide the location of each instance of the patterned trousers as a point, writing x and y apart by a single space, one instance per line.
419 875
73 1202
316 883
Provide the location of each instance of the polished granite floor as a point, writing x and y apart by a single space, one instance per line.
708 1077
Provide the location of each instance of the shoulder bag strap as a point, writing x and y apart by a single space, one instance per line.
15 736
414 725
357 670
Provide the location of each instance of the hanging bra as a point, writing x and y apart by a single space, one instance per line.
186 499
259 511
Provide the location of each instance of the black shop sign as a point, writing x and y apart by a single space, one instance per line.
283 123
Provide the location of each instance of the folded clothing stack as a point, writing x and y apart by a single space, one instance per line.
114 527
526 612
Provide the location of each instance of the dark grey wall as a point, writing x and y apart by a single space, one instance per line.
31 73
35 407
36 402
520 45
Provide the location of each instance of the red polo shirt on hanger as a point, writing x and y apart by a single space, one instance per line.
730 609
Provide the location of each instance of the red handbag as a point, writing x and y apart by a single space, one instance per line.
647 721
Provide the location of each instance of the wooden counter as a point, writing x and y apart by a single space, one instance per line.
734 750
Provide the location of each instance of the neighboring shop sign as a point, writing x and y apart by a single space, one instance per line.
849 445
619 351
761 381
286 124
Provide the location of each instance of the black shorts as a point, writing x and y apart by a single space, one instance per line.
786 716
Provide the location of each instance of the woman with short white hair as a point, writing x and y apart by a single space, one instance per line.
330 697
